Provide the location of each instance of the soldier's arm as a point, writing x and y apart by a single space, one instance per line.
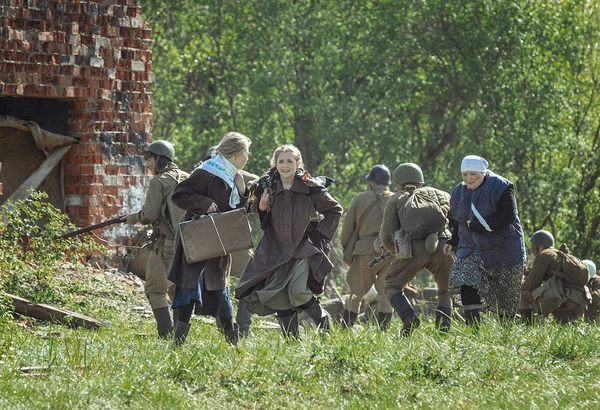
349 225
389 224
539 270
150 212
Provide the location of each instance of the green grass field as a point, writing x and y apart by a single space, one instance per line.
548 366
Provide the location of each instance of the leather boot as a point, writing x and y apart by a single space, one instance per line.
175 315
348 318
473 318
320 316
402 306
181 331
443 318
384 320
232 335
289 325
164 325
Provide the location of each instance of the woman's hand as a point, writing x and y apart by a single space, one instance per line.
212 208
447 249
264 201
239 183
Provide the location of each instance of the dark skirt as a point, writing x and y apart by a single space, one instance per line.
214 303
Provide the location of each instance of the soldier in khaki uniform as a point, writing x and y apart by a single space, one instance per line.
164 216
547 262
427 253
591 314
361 232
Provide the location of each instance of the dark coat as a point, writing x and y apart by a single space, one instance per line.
287 227
195 195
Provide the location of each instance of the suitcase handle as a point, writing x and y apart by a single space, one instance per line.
218 234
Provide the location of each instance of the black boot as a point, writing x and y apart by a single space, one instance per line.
232 335
348 318
164 325
443 318
473 318
181 331
289 325
175 315
406 312
384 320
320 316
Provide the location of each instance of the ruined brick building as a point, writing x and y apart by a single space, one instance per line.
80 69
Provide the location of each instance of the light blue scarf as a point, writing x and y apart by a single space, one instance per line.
225 170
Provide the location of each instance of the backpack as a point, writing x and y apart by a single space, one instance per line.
421 214
573 270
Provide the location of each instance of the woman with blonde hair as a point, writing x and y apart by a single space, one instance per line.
291 261
215 186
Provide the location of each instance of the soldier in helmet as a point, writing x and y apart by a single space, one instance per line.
163 215
548 262
361 243
415 230
591 314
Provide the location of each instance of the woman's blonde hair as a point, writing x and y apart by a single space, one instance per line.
287 148
232 143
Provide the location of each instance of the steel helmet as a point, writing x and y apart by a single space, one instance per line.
379 174
543 238
591 267
408 172
163 148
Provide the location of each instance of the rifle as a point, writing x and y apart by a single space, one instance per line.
118 219
380 258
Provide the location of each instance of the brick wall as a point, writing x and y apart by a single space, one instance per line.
95 55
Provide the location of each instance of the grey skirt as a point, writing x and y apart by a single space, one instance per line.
499 288
285 289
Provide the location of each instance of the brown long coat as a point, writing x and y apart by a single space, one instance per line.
195 195
285 236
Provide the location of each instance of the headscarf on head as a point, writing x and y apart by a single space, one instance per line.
591 267
473 163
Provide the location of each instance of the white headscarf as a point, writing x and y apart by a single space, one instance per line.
473 163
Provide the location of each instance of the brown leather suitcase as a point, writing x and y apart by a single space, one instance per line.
216 234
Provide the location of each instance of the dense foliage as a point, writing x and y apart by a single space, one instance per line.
358 83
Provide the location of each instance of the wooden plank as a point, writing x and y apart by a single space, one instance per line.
47 312
40 174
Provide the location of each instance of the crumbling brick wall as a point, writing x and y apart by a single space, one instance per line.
95 55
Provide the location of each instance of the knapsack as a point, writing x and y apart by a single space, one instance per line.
421 214
573 269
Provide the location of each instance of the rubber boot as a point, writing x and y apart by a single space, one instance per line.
384 320
289 325
181 331
232 335
473 318
526 316
443 318
348 318
402 306
320 316
164 324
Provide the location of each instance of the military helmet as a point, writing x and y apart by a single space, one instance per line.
379 174
543 238
591 267
408 172
162 147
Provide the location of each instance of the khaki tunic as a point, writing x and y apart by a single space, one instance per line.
164 216
543 267
360 277
593 309
401 272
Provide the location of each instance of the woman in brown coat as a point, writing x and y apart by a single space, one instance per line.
215 186
290 262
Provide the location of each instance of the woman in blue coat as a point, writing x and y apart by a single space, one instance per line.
488 240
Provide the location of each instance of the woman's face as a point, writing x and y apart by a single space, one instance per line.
286 165
239 159
473 179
